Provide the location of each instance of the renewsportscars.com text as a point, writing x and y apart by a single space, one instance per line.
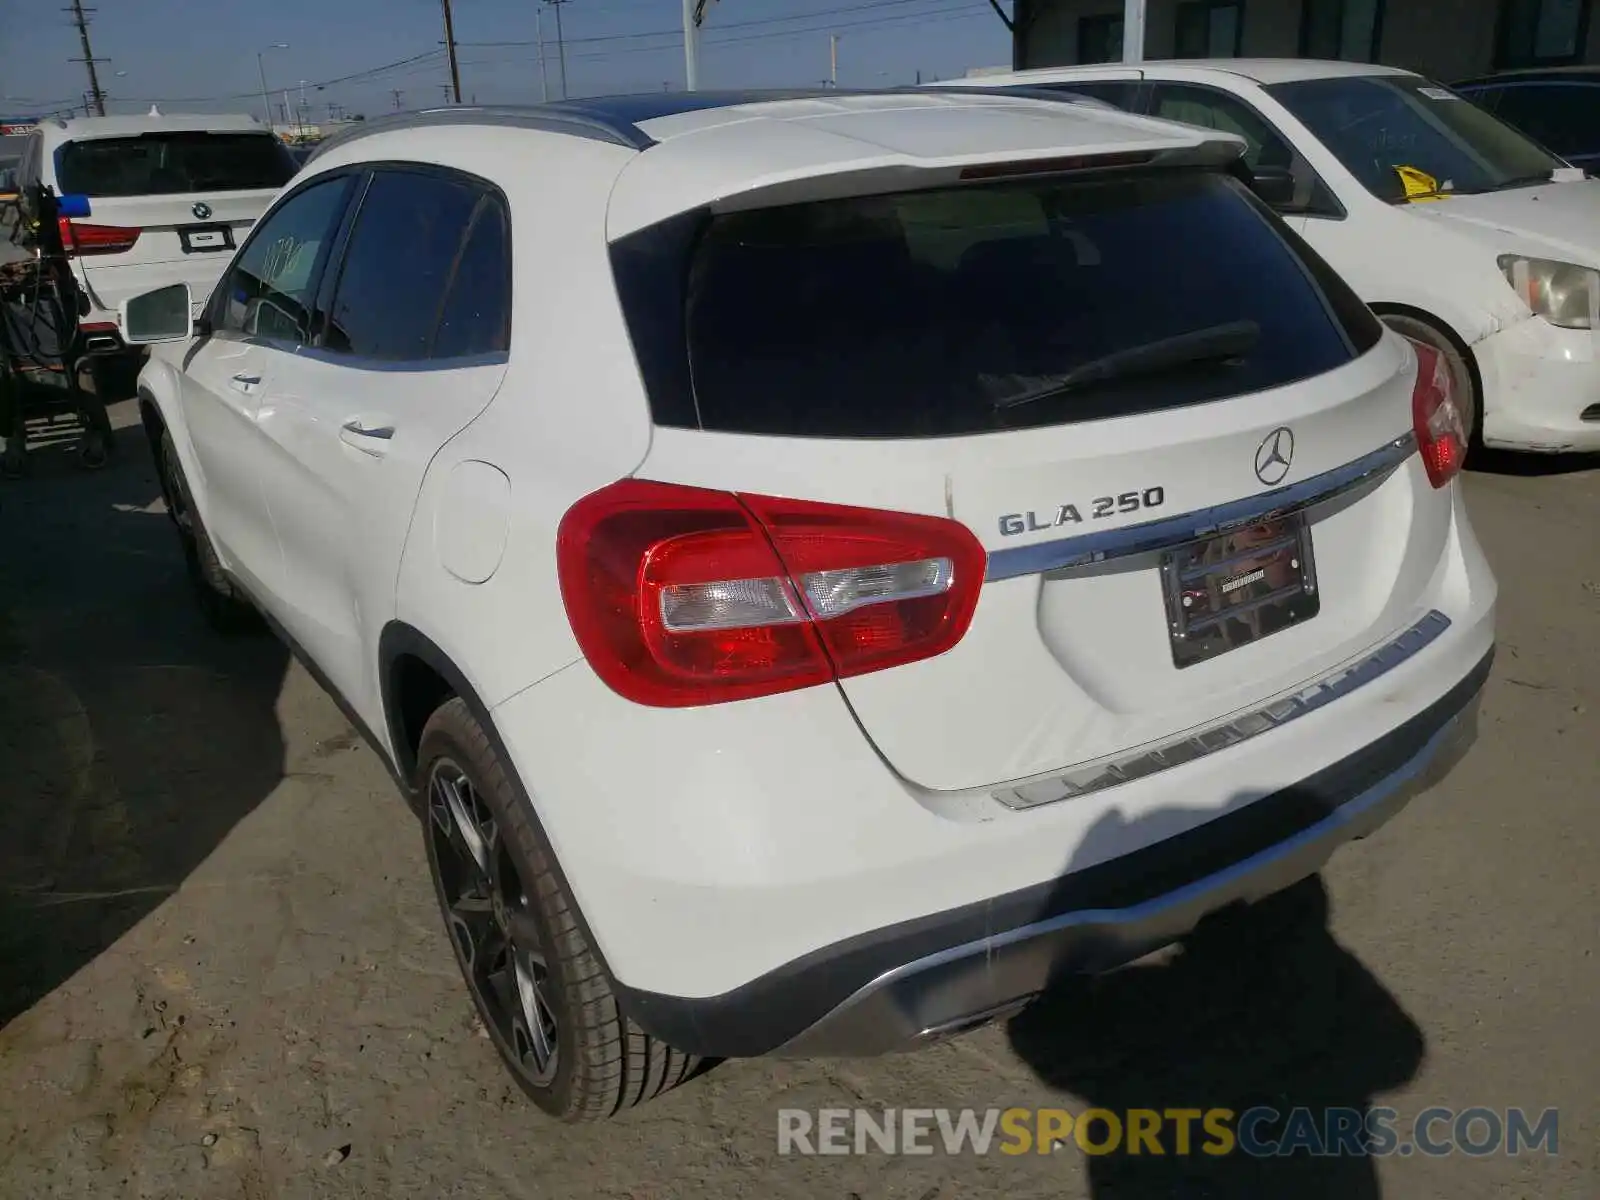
1259 1132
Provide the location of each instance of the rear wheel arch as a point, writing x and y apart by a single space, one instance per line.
412 671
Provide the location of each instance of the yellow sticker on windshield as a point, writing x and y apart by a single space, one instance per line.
1419 185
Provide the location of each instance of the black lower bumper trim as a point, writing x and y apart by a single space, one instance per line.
773 1009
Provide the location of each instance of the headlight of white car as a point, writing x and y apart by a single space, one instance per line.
1565 294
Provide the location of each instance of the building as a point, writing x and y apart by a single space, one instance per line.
1446 39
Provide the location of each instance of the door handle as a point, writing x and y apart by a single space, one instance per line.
373 441
247 379
383 432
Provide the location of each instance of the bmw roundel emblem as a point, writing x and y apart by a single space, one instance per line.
202 210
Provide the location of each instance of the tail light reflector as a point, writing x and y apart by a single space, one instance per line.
684 596
80 239
1441 433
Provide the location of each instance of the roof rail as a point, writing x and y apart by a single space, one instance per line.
613 119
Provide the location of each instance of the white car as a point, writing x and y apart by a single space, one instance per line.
157 200
1454 227
823 564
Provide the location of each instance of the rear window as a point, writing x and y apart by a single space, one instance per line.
164 164
940 313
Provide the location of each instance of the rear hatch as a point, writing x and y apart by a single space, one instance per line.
166 207
1080 368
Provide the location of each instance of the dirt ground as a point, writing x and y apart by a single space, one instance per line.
222 974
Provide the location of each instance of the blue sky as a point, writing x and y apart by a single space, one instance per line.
199 56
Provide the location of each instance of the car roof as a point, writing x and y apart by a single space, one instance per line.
81 128
682 152
1580 72
1260 70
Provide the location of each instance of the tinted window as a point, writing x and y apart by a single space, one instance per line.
1100 38
1563 117
477 311
1207 29
1385 129
270 291
1212 109
402 263
1341 29
1540 32
165 164
924 314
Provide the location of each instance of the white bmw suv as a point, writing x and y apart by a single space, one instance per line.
822 565
151 200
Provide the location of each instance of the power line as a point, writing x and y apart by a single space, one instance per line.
963 10
358 76
721 26
81 20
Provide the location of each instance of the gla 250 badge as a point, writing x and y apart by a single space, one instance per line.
1068 514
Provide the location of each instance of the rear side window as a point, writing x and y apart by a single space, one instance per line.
938 312
427 271
171 164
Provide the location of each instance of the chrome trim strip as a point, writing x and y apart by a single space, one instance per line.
1076 551
1230 731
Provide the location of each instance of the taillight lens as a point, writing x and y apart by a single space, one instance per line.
683 596
79 238
1441 433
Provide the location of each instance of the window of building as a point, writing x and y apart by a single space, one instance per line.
1341 29
1100 38
1536 33
1208 29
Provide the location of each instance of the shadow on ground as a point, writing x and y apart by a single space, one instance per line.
1260 1008
1504 462
132 738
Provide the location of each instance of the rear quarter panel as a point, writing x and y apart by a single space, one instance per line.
570 416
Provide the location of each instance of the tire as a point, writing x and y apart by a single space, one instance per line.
1461 374
225 611
510 919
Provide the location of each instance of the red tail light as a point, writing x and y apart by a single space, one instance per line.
1441 433
683 596
79 239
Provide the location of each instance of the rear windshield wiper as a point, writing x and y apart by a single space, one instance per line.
1211 344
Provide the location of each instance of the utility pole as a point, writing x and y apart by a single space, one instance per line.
80 18
561 45
694 15
833 60
538 33
450 46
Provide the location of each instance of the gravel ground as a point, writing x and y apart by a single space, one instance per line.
222 973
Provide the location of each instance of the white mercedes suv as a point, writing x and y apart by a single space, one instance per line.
822 565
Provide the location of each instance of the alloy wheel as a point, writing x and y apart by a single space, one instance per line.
490 917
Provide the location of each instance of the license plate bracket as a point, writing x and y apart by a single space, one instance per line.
205 239
1238 586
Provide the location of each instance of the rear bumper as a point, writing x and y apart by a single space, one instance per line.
941 974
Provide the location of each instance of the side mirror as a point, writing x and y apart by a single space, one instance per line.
1274 185
159 316
72 205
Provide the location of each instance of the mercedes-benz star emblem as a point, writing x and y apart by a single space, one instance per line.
1274 455
201 210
